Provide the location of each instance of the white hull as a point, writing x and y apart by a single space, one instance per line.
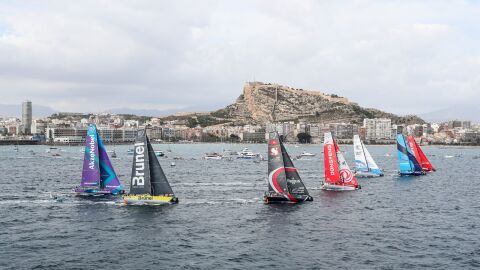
366 175
214 158
330 187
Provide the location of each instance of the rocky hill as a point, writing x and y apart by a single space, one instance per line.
261 103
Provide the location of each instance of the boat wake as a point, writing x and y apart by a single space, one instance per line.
230 201
219 184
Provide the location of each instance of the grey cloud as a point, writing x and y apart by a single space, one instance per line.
405 57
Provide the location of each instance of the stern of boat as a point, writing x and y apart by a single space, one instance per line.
275 198
333 187
149 200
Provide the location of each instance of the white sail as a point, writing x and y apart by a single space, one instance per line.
370 162
360 157
363 160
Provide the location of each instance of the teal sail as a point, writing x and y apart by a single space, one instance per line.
407 162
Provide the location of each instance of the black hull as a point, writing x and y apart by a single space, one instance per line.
279 199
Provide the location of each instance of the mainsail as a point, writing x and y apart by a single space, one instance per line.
91 169
406 158
147 174
363 160
98 174
277 180
337 171
332 174
419 155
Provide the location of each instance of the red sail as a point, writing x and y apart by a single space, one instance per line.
419 155
424 162
332 174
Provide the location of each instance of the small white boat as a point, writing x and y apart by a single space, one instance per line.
52 149
215 156
159 153
306 154
246 154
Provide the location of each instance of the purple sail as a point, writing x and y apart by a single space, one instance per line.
108 177
91 168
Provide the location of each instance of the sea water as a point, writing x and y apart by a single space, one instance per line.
221 222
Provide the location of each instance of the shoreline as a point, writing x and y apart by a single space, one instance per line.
30 142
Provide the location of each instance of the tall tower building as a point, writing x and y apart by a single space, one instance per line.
27 117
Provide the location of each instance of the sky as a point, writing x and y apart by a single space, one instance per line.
405 57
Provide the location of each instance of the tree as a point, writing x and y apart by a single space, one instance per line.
304 137
192 122
234 138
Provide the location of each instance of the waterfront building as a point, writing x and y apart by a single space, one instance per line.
343 131
377 129
39 126
454 124
155 133
76 135
284 129
466 124
253 136
27 117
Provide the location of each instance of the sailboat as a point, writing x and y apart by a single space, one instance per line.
284 182
98 176
148 184
407 161
419 155
365 166
338 176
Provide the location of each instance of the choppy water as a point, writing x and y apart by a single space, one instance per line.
221 222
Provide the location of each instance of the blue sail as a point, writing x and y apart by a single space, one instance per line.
406 160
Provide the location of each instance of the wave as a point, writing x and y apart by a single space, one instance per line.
192 184
220 201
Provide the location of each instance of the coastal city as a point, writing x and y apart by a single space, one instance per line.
71 129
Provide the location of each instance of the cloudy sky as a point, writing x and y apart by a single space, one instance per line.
400 56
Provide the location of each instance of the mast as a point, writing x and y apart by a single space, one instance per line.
275 106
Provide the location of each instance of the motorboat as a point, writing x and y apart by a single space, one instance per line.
213 155
306 154
246 154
